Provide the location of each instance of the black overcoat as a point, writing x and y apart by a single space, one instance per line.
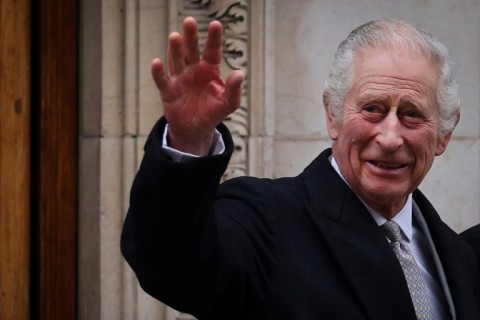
297 248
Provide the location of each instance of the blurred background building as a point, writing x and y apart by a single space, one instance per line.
77 104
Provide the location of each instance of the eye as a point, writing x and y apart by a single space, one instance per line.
372 108
373 112
412 114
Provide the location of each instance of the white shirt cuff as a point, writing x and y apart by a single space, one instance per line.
218 147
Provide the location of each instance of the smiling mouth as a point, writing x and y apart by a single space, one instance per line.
389 166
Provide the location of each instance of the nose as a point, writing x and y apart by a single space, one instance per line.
389 137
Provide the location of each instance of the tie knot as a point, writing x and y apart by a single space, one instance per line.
392 231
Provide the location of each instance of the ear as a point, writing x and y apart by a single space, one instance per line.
442 143
332 125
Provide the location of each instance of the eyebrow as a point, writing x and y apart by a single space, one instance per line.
372 98
382 98
413 103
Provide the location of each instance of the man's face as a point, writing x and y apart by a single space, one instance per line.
388 137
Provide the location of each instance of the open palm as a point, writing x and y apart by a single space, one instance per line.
195 97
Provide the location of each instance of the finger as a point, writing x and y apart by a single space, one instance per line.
213 45
160 77
233 90
176 62
190 38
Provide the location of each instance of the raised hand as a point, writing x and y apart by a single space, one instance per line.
195 97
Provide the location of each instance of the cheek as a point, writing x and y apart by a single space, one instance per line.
424 147
424 142
358 131
354 139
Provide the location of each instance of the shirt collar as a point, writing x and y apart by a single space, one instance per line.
403 218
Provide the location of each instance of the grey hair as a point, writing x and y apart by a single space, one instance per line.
387 34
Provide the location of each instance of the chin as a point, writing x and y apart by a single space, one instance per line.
385 195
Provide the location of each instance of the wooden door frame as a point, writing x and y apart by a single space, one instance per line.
54 159
14 159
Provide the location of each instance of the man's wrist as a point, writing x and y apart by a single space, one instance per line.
218 147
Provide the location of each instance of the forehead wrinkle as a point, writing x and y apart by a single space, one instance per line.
398 82
413 91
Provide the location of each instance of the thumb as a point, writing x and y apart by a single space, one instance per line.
233 90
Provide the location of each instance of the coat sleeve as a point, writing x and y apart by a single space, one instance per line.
180 239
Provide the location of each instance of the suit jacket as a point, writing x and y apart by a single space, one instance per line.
472 236
301 247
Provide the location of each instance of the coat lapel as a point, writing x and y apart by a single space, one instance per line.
457 261
357 244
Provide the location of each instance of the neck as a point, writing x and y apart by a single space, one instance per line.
388 211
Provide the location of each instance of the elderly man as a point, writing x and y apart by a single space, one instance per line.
349 238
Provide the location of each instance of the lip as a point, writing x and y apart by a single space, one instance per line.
387 165
389 169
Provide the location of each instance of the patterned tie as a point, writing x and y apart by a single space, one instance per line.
415 282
